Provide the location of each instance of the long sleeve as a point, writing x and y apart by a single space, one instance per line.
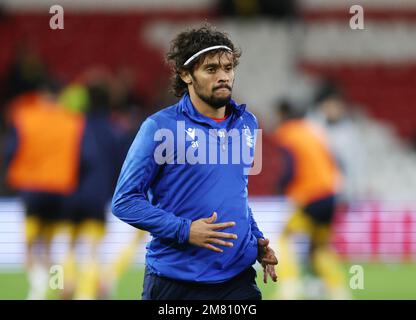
130 203
254 228
287 169
10 148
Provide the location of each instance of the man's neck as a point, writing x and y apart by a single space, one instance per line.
205 109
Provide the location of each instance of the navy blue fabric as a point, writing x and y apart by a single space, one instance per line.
43 205
322 211
99 166
10 146
287 170
241 287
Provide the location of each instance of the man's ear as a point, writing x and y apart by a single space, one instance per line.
186 77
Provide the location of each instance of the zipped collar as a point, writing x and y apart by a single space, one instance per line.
186 106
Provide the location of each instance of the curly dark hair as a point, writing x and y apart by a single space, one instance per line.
189 42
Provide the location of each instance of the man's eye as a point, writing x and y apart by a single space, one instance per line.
210 70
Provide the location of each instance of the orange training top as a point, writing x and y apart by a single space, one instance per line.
316 174
49 141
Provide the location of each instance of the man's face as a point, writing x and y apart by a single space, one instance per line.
333 109
213 79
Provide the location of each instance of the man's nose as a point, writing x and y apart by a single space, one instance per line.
223 76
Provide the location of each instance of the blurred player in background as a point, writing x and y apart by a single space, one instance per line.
310 178
43 149
333 114
128 111
85 209
121 263
185 206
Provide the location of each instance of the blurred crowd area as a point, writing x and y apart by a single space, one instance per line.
357 84
96 94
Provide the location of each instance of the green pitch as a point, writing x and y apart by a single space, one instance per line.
381 281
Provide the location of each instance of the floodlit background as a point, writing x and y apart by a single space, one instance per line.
290 49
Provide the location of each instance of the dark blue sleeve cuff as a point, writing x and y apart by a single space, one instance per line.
184 229
258 234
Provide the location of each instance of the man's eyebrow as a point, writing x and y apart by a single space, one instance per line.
216 65
211 65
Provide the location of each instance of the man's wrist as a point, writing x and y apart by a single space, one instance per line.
184 230
258 234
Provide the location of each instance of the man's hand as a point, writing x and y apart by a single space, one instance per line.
267 259
203 234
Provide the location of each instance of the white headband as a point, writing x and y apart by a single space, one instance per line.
205 50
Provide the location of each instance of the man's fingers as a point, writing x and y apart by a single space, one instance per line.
272 272
211 219
264 275
222 225
220 242
213 248
263 242
268 270
272 261
270 257
224 235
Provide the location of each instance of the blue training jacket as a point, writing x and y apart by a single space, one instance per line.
164 198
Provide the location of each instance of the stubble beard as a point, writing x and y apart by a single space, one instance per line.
211 100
